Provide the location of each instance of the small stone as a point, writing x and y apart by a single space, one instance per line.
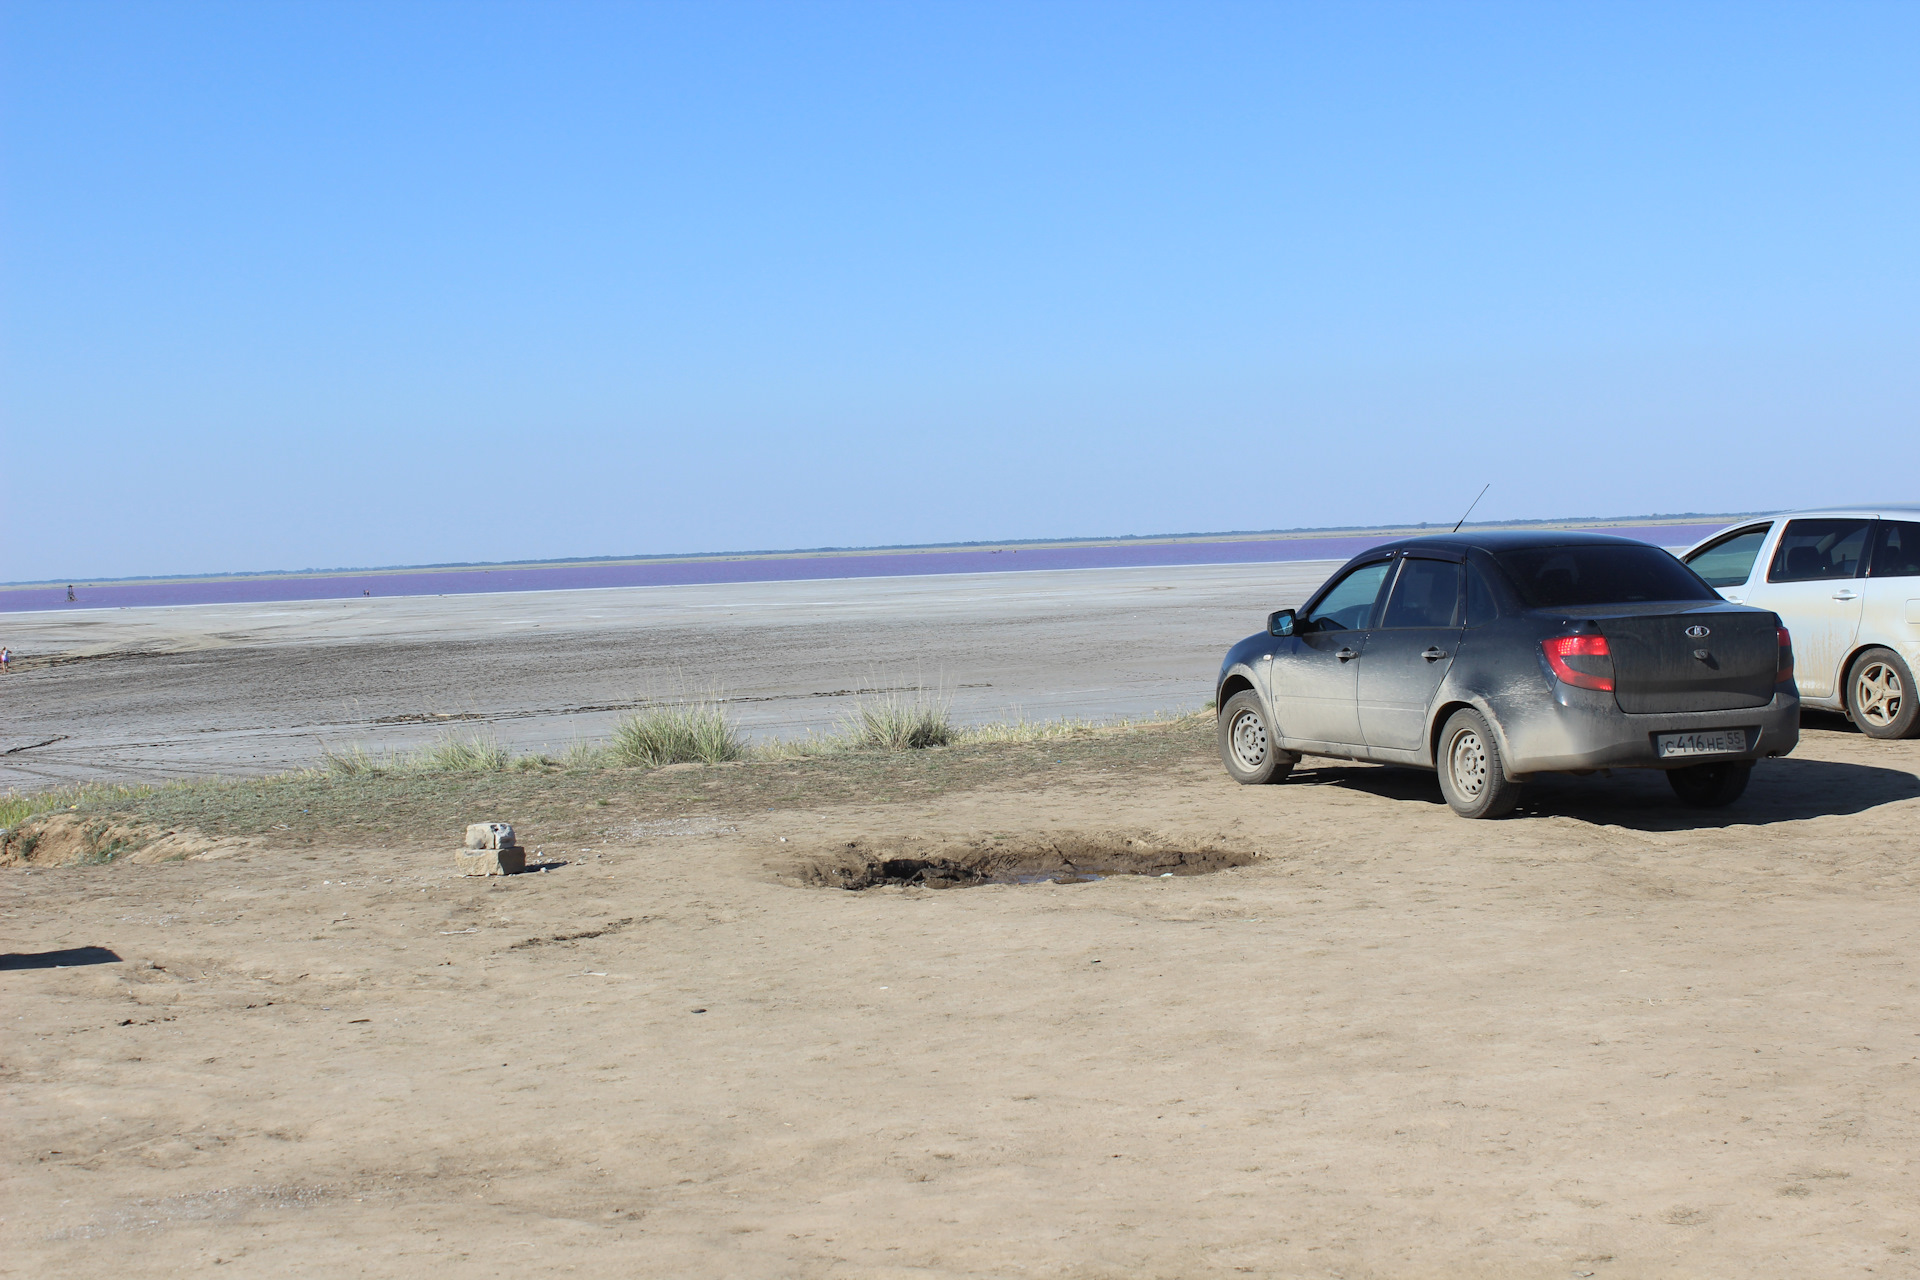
490 835
491 862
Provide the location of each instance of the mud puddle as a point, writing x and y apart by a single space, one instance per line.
988 860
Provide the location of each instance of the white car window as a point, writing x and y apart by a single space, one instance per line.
1814 550
1729 561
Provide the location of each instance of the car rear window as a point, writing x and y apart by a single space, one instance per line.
1578 576
1896 550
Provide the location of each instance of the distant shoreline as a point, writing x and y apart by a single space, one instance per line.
1686 518
776 566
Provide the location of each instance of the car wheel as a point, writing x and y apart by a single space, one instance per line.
1880 695
1246 743
1471 777
1710 786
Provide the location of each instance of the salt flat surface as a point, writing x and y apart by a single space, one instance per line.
155 693
735 569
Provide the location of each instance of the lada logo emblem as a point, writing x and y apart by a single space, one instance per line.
1697 632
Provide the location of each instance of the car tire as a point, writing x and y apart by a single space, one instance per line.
1880 695
1471 776
1710 786
1246 743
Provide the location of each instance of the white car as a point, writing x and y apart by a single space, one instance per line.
1847 585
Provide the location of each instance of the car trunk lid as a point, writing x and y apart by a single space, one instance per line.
1692 660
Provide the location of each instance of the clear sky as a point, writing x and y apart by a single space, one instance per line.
299 285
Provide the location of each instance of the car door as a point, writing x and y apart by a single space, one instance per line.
1314 686
1813 582
1727 562
1408 652
1891 613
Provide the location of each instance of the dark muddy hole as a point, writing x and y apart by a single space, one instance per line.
1066 862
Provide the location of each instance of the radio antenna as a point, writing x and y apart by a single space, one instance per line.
1471 505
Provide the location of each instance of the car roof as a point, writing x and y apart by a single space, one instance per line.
1885 510
1506 540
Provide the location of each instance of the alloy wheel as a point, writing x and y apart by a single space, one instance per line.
1877 694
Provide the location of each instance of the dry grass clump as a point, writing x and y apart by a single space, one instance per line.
581 754
899 722
1024 730
480 753
694 732
472 753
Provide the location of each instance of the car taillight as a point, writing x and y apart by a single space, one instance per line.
1785 671
1584 662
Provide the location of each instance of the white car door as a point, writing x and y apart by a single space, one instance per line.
1813 581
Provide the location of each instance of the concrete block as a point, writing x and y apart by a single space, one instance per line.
490 835
491 862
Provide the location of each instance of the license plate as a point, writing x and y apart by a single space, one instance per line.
1718 743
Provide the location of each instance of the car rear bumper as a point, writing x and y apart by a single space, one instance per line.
1580 730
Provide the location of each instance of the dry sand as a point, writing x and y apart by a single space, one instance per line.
1608 1036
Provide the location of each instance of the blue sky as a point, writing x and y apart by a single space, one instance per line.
312 285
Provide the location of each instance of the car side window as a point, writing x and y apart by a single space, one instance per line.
1481 608
1729 562
1426 594
1812 550
1349 605
1896 550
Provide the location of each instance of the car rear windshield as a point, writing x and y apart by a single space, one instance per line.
1579 576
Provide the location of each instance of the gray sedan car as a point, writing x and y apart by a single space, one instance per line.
1495 657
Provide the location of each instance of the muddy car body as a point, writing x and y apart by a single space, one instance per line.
1494 657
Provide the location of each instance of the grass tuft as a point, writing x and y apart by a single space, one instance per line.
899 722
1024 730
479 753
475 753
352 762
694 732
581 754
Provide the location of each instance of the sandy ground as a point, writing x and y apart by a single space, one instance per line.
1608 1036
152 694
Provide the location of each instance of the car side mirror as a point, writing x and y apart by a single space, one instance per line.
1280 623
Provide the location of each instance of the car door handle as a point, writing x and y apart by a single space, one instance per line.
1347 655
1846 595
1433 654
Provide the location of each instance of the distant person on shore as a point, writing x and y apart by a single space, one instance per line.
69 593
6 660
